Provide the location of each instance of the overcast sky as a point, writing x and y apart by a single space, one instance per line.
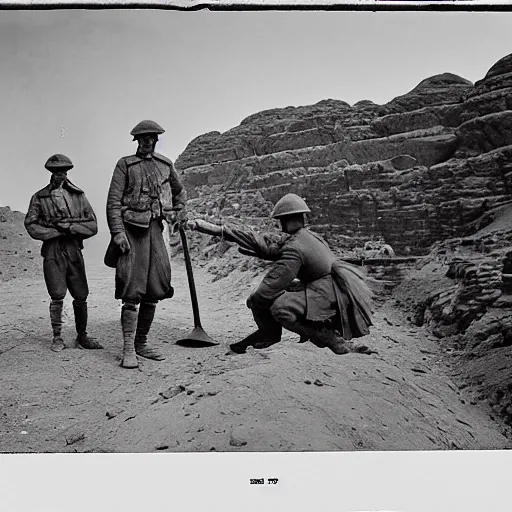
76 82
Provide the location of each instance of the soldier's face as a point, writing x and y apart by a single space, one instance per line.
147 143
59 177
291 223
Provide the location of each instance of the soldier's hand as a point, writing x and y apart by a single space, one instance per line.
192 225
178 217
182 218
122 242
170 216
63 226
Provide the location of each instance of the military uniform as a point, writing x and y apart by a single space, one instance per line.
306 287
145 191
50 211
325 291
141 192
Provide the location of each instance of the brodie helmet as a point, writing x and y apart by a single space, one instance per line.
145 127
58 162
288 205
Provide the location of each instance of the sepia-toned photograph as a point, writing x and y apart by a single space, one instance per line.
273 231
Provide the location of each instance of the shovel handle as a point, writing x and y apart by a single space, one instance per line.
190 276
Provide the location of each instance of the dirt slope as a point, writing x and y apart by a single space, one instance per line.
19 254
290 397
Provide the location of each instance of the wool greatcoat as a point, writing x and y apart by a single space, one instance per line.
142 191
63 263
330 289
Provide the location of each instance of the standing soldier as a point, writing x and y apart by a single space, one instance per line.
60 215
145 190
307 290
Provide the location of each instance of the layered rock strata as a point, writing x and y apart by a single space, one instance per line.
417 170
470 306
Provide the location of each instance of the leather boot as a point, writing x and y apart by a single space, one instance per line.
325 337
128 325
320 337
257 339
82 339
56 320
145 319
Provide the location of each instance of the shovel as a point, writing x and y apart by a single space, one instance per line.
197 337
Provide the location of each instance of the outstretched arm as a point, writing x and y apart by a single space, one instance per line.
88 226
247 239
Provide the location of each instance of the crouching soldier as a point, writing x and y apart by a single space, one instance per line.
144 192
60 215
307 290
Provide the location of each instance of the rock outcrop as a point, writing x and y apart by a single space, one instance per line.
463 295
429 173
412 172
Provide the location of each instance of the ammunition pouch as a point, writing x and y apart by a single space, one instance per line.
137 218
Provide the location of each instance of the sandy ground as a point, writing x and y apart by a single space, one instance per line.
290 397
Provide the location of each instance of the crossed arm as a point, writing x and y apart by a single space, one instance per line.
38 229
35 227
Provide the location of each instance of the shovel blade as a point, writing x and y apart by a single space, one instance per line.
197 338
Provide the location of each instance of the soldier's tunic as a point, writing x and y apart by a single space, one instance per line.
63 263
331 289
142 190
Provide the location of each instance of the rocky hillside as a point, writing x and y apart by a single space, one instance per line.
414 171
19 254
429 173
463 294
